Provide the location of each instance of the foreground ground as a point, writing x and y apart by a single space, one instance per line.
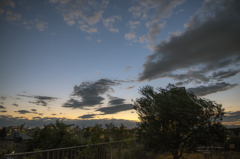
196 156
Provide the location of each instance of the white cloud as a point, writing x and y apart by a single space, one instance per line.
129 36
40 25
83 27
99 40
133 24
113 30
88 38
91 30
94 18
109 21
143 38
71 23
136 11
12 17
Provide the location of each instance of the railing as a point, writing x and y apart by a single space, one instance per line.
109 150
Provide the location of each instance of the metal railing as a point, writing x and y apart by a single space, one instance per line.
109 150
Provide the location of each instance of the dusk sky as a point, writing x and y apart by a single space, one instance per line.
83 61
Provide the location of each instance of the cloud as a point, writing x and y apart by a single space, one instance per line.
131 87
16 105
208 47
222 74
232 117
115 105
127 68
136 11
3 98
40 25
22 111
133 24
10 17
113 30
9 3
99 40
90 92
54 114
87 116
82 11
212 88
115 109
2 107
115 101
7 120
40 100
3 111
36 23
34 110
129 36
108 23
143 38
155 30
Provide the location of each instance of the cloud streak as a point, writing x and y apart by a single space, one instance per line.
90 93
212 88
40 100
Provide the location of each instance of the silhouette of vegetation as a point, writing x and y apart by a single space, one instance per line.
52 136
3 132
174 119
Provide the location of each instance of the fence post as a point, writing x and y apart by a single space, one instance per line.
134 148
119 151
48 154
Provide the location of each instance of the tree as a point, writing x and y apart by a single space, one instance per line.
52 136
174 119
3 132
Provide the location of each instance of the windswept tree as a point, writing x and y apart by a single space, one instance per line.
174 119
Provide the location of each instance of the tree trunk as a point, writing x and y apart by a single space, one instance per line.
175 155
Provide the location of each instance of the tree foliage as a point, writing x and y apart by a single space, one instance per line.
52 136
173 119
3 132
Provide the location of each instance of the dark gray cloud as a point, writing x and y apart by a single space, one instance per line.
16 105
212 88
115 101
87 116
130 87
220 75
2 107
115 105
54 114
232 116
86 102
22 111
90 93
33 111
115 109
40 100
210 44
3 111
3 98
7 120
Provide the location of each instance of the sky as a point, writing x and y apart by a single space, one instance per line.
84 61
